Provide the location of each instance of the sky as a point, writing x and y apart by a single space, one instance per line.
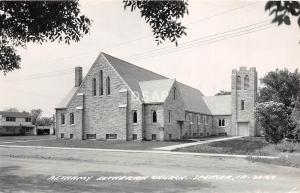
221 36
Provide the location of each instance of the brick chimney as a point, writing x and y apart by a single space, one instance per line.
78 76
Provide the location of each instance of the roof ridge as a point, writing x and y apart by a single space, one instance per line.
133 64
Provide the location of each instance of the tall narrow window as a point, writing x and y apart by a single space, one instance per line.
94 87
134 117
62 119
246 82
223 122
238 83
108 85
220 122
154 117
174 93
101 82
242 105
170 114
71 118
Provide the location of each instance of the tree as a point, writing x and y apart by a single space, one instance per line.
222 92
280 86
274 120
283 10
37 21
45 121
35 114
162 16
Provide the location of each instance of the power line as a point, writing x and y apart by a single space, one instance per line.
146 37
194 40
206 43
189 44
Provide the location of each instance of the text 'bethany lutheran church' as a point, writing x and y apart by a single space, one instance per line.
118 100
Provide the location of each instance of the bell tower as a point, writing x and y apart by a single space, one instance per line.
243 98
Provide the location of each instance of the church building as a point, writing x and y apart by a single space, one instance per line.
118 100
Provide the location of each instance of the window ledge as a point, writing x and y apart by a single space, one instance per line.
135 124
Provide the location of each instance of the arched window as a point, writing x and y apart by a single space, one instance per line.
238 83
223 122
246 82
94 87
108 85
154 117
134 117
220 122
174 93
101 82
71 118
170 115
242 105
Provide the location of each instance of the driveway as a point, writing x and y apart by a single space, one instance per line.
28 171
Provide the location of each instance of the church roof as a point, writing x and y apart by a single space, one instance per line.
193 100
156 91
132 74
219 105
65 101
145 81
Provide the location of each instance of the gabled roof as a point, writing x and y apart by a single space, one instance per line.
193 100
64 103
219 105
132 74
156 91
141 80
14 114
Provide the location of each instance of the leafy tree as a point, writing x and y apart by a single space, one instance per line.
283 10
280 86
162 16
222 92
45 121
274 120
35 114
22 22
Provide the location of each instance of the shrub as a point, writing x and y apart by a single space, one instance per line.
286 146
274 120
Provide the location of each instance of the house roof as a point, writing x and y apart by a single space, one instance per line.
193 99
156 91
64 103
132 74
219 105
14 114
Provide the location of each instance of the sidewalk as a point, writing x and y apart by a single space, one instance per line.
173 147
140 151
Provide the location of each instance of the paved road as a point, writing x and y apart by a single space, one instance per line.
28 171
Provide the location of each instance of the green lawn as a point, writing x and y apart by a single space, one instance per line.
110 144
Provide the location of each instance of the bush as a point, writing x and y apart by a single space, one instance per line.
286 146
274 120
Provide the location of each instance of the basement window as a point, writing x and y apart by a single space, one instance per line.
111 136
91 136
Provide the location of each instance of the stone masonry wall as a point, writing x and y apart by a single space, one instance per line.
222 129
172 130
249 96
194 128
104 114
154 128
